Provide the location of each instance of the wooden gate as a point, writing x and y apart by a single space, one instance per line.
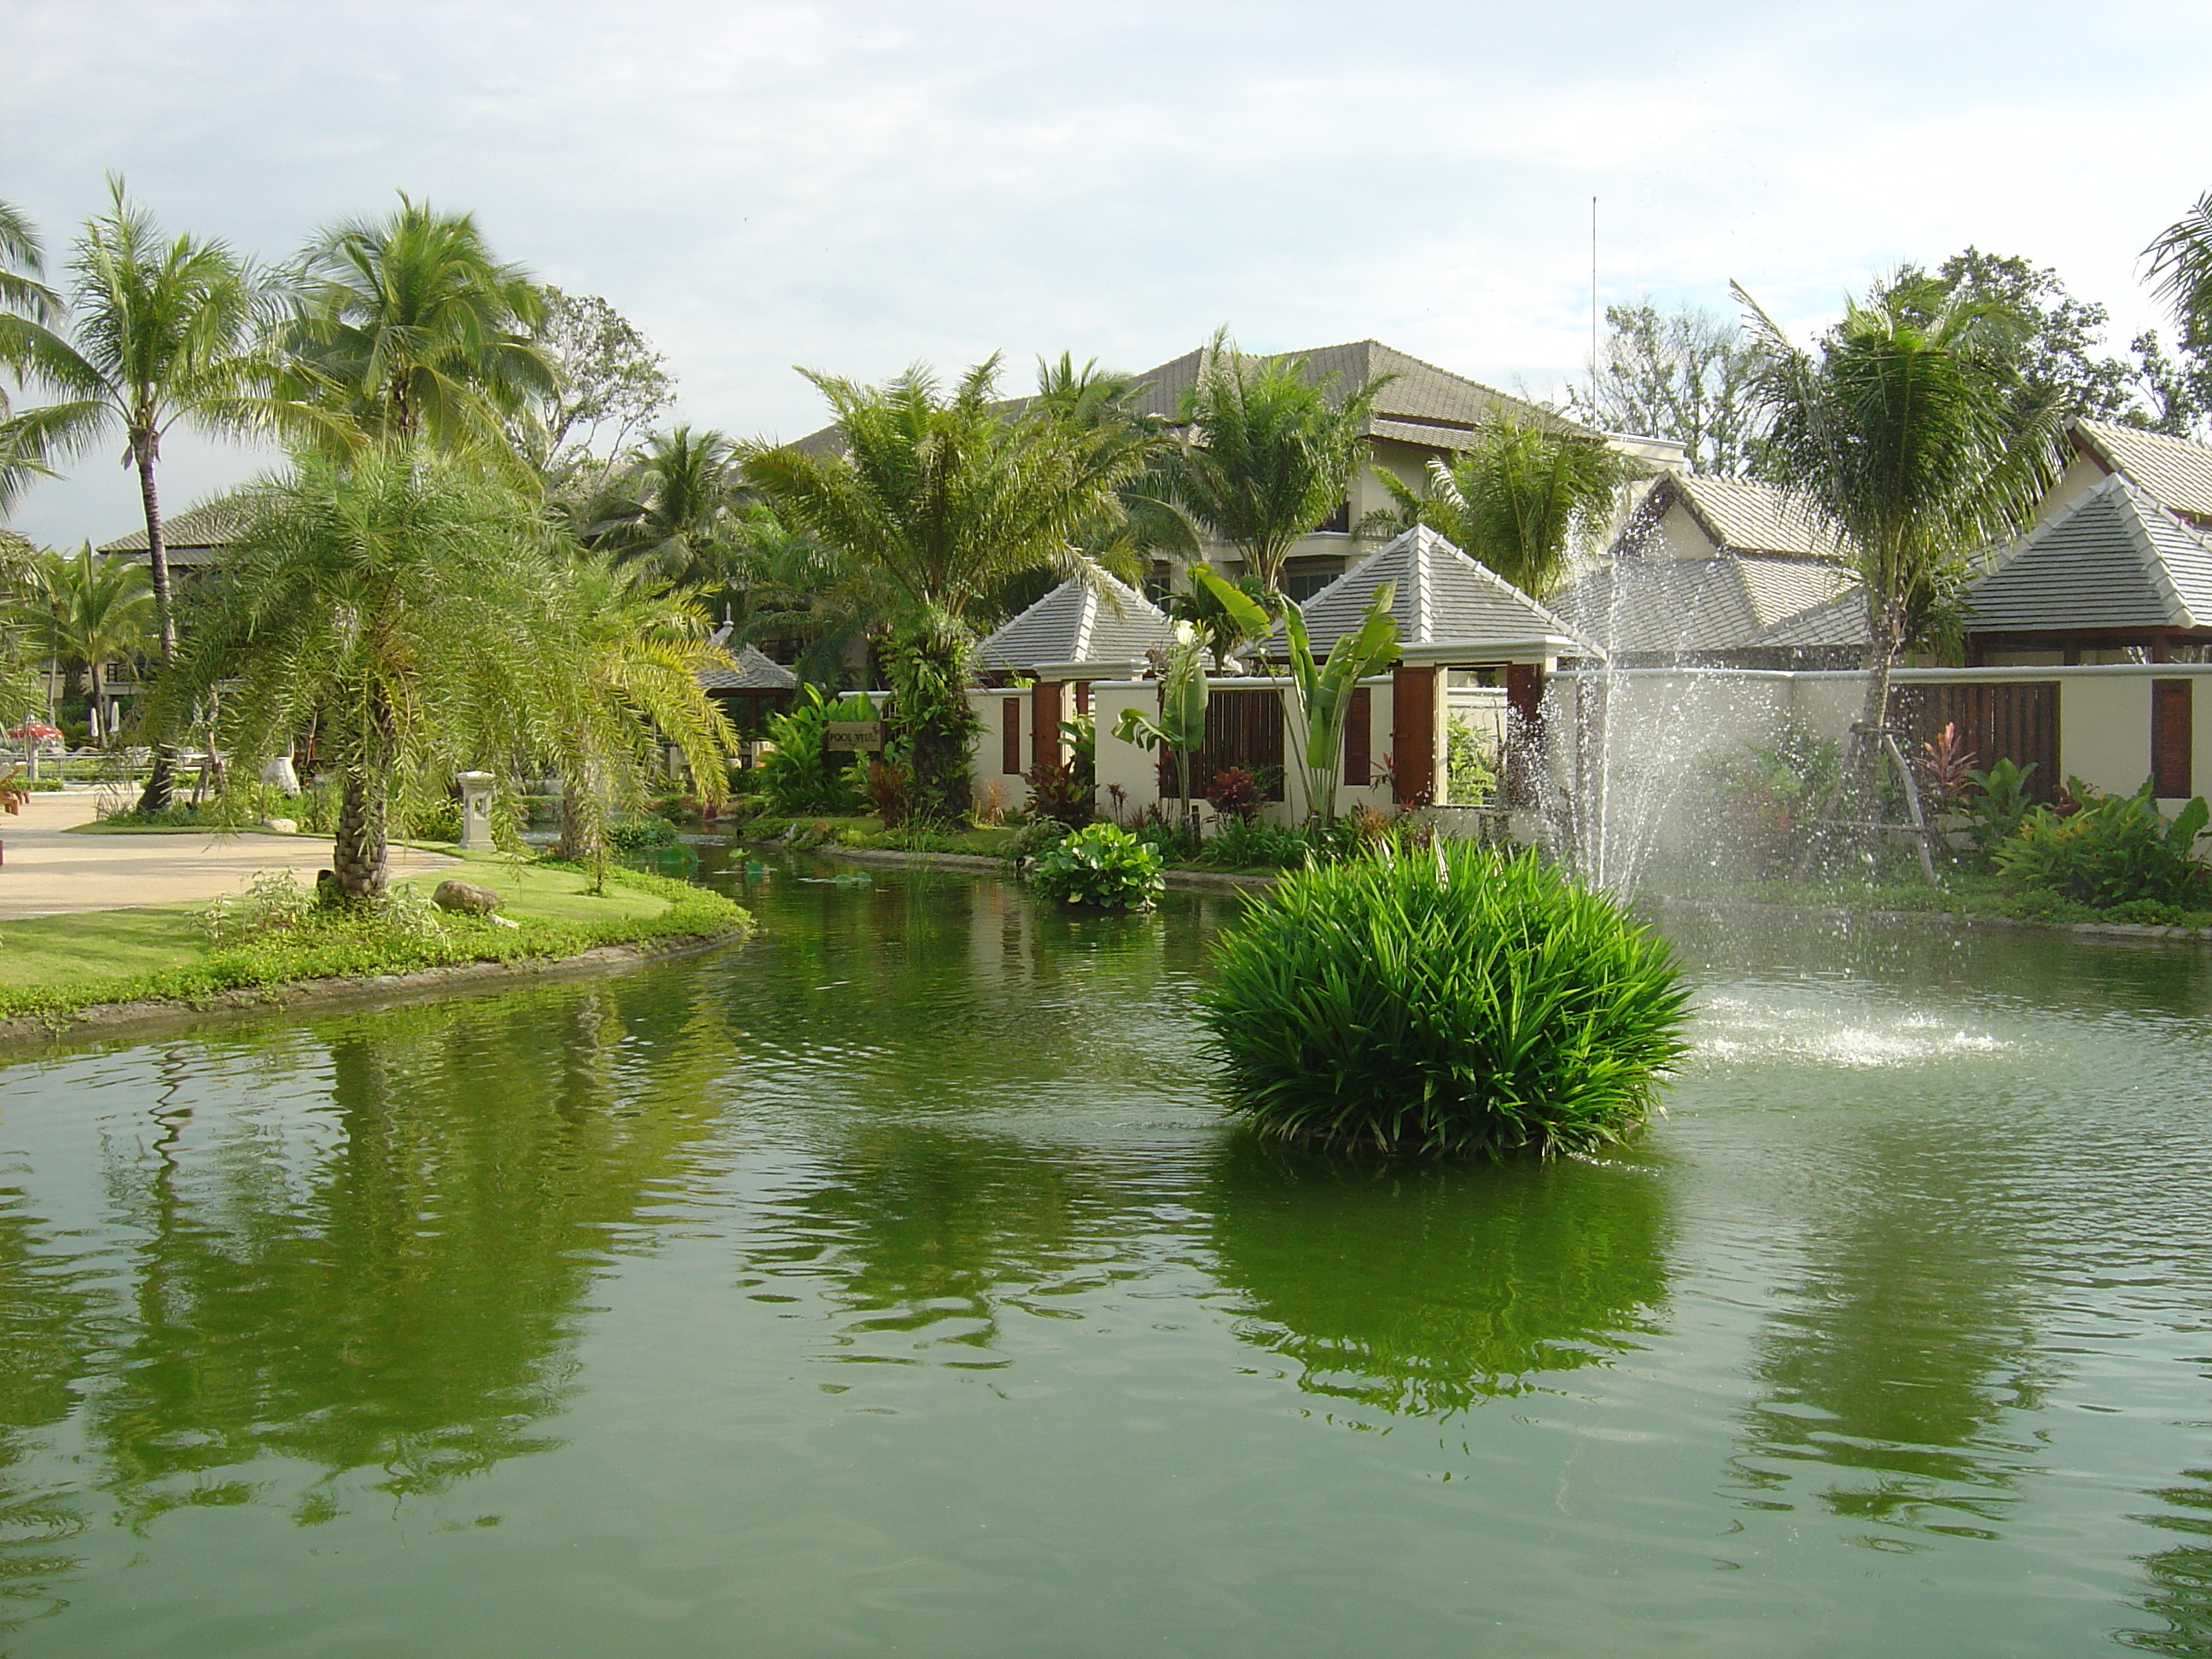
1243 728
2016 720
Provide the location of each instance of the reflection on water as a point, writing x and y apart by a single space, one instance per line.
896 1282
1426 1290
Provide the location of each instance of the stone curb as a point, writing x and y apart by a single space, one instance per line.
106 1019
1932 919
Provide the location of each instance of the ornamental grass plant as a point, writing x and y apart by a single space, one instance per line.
1456 1002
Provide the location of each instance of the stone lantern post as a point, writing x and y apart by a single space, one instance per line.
476 810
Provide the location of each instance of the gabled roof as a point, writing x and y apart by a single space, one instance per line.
2112 558
1738 515
1424 404
1076 623
1443 597
190 538
751 669
2175 470
1681 607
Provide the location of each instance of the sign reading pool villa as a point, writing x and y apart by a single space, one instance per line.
861 737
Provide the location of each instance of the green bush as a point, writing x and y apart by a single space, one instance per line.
2115 850
1255 844
1458 1001
1101 866
1469 778
1996 803
799 775
629 835
1034 837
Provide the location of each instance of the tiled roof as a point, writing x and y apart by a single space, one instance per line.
2113 558
1680 607
203 531
1739 515
1424 404
2176 471
1443 597
751 670
1076 623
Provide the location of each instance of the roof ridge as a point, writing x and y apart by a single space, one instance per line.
2140 532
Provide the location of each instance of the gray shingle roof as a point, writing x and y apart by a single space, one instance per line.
192 537
1443 597
2176 471
1424 404
2113 558
1739 515
751 670
1076 622
1674 607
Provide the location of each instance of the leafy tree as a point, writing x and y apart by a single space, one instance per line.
784 585
944 496
2175 392
85 611
1523 499
608 383
159 332
1909 435
403 602
1684 375
408 327
1268 452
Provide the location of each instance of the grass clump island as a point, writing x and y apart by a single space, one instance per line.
275 934
1460 1002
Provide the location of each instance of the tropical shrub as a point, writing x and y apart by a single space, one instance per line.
2115 850
1101 866
800 776
1997 804
1059 792
1458 1002
891 790
1256 844
1469 778
1236 794
630 835
1034 837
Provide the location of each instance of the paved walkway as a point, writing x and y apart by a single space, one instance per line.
45 872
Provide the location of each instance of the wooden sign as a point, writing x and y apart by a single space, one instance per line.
860 737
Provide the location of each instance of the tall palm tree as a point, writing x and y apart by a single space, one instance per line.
945 495
161 333
1523 499
408 327
671 508
1269 454
24 293
398 601
2181 265
92 612
1908 440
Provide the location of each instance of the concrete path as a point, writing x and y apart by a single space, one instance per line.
45 872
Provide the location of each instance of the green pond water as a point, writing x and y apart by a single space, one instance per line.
894 1286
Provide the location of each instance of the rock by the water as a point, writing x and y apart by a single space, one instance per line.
466 897
282 826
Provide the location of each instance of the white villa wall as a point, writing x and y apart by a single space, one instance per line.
987 773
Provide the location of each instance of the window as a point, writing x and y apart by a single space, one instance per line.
1010 738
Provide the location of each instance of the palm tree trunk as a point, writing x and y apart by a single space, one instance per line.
360 859
161 784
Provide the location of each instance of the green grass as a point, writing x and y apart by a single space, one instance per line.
52 965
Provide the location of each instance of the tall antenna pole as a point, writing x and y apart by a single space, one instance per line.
1594 305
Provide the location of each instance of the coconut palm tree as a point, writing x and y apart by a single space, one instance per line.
1269 453
1524 498
23 293
671 509
2181 266
160 332
945 495
1907 439
90 611
408 327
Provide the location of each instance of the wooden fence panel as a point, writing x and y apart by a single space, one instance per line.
2015 721
1243 728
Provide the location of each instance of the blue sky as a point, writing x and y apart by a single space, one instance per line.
856 186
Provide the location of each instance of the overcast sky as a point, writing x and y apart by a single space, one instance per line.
855 186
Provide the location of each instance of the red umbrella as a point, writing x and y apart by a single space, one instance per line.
35 729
